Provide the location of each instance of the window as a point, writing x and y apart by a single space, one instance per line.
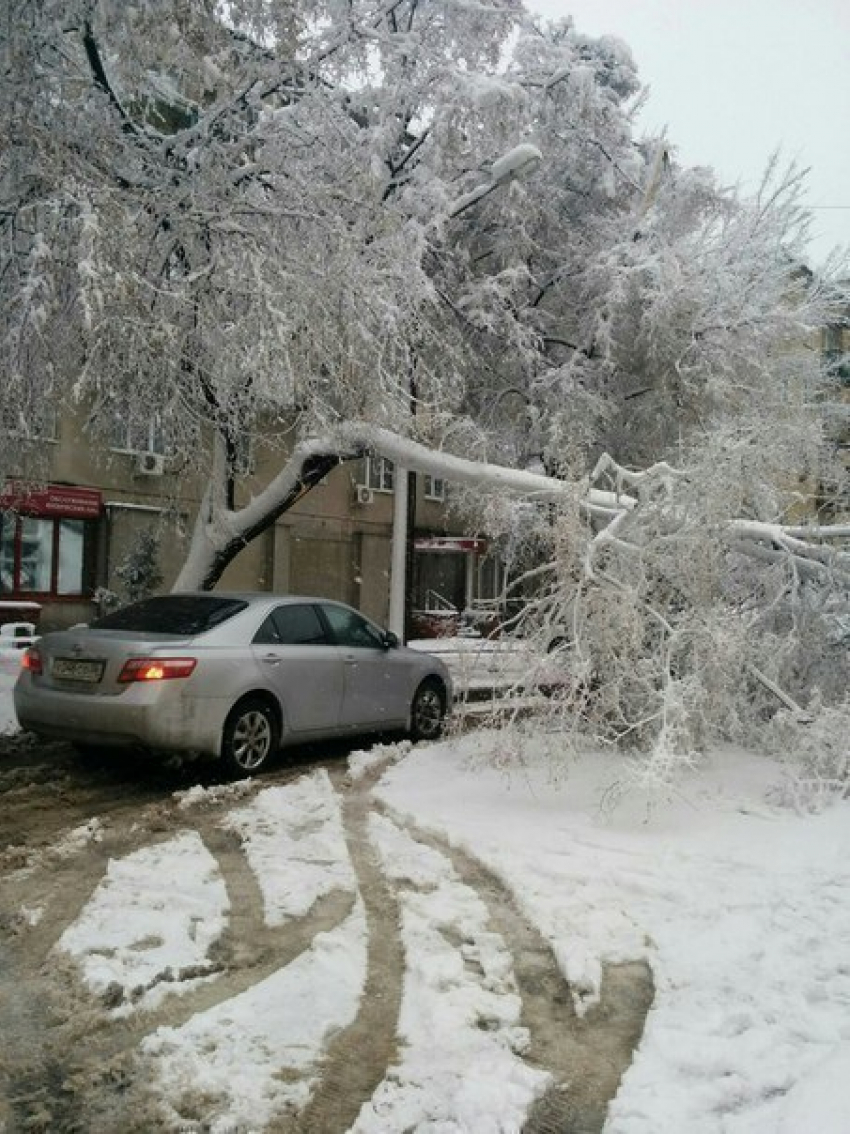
380 474
836 358
267 635
35 553
7 556
297 625
173 614
45 556
491 578
350 629
138 436
69 563
40 426
435 487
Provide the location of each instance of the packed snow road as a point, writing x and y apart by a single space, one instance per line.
279 954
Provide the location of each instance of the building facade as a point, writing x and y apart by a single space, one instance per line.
833 501
73 543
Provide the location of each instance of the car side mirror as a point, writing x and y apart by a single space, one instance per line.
390 640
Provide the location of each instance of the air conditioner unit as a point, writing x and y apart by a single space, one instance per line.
150 464
364 494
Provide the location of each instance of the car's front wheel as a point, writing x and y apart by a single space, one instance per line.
428 711
250 738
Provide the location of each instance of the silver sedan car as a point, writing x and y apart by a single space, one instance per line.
230 675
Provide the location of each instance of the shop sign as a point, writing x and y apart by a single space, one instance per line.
450 543
60 500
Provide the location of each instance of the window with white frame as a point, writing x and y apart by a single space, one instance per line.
379 474
434 487
138 436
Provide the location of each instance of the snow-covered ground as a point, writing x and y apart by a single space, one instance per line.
740 906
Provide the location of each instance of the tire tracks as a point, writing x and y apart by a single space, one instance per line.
248 951
586 1056
58 1041
358 1058
70 1066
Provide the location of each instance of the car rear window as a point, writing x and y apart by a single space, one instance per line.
172 614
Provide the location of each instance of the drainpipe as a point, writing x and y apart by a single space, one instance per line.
398 555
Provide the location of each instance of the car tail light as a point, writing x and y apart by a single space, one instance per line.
32 661
156 669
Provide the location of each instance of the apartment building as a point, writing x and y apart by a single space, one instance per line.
66 542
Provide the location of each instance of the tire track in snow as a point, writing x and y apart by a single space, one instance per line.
248 951
71 1066
587 1056
358 1057
67 1064
58 1043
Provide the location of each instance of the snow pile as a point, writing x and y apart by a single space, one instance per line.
139 941
200 796
295 845
365 760
460 1067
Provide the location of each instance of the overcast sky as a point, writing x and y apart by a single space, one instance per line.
734 79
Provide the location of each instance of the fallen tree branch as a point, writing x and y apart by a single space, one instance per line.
799 712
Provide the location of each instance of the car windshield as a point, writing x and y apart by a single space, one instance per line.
172 614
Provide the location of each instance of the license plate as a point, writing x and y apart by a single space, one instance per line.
72 669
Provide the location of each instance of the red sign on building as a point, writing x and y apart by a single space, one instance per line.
59 500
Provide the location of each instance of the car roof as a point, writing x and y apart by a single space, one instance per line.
251 596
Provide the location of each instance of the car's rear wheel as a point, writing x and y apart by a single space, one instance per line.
250 738
428 711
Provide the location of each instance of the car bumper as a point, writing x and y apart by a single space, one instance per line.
147 716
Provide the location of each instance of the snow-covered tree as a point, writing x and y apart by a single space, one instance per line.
307 215
139 571
428 229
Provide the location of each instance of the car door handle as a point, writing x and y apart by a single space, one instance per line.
351 659
271 659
